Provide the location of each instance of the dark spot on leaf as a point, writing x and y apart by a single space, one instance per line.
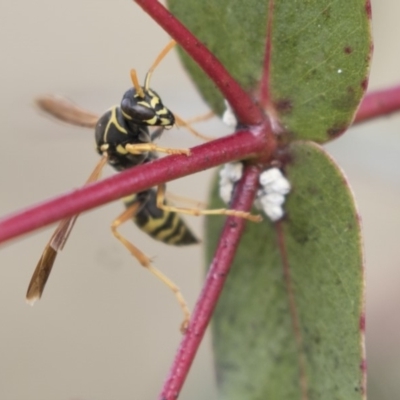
364 84
368 8
300 236
348 50
346 101
313 190
371 50
327 12
284 138
359 219
362 322
350 90
335 131
301 230
362 389
283 156
284 106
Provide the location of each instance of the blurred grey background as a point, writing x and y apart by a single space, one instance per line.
105 328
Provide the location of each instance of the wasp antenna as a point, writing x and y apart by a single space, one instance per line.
163 53
136 85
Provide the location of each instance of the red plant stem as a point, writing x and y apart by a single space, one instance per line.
247 112
378 103
242 144
217 274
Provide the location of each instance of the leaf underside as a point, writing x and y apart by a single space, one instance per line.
290 324
320 54
259 352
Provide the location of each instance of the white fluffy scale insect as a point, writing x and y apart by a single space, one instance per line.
271 194
273 188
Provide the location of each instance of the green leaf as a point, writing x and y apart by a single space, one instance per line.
302 337
319 59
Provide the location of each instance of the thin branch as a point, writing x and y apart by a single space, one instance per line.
378 103
217 274
247 112
241 145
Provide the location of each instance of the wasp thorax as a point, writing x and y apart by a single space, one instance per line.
147 110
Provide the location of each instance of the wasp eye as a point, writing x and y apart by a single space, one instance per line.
138 112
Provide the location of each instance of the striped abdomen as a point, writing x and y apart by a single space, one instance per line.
165 226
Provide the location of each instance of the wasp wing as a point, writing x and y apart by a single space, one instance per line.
45 264
65 110
55 244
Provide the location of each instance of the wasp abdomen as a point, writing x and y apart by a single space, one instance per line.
165 226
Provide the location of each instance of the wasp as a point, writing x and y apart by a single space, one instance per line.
123 140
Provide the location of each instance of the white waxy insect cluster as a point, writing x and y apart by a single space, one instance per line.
271 194
228 117
273 184
228 176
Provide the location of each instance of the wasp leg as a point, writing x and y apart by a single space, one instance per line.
186 124
146 263
182 199
195 211
145 147
156 134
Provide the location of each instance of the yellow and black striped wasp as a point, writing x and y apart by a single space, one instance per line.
123 140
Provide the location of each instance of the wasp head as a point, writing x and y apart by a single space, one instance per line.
146 108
